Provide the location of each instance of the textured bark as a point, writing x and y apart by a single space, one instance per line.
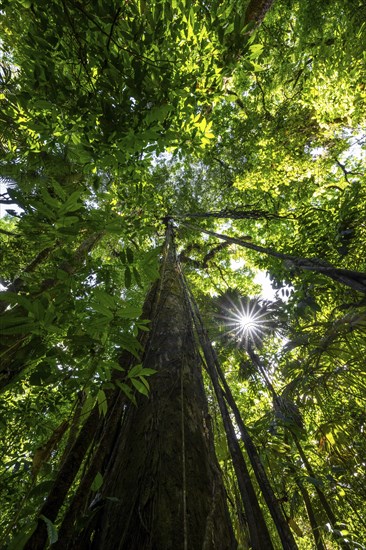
256 11
108 435
162 487
323 500
259 535
287 539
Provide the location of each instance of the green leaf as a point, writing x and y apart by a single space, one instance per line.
127 391
145 382
51 530
117 366
10 297
97 482
129 255
60 192
130 343
40 375
122 256
135 371
14 298
142 327
147 372
129 311
88 405
66 221
137 277
102 403
127 277
20 329
103 310
255 50
141 388
19 541
104 298
54 203
72 203
113 227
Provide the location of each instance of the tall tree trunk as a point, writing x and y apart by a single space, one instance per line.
162 487
259 535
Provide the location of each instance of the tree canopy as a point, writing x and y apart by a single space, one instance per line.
240 126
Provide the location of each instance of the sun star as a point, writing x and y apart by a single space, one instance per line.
248 321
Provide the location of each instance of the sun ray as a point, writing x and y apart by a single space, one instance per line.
247 322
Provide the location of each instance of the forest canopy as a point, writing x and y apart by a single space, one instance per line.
186 150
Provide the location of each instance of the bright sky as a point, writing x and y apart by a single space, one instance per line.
4 207
261 279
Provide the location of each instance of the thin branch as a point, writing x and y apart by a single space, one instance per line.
112 28
233 214
353 279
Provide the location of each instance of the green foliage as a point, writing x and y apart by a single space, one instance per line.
51 530
115 116
97 483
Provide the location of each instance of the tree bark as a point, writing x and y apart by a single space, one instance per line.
259 535
256 11
162 487
312 519
63 481
322 498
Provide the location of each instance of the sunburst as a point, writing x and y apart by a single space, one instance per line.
247 322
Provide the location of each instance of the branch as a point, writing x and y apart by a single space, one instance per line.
256 11
353 279
112 27
228 213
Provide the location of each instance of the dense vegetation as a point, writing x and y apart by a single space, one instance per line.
240 128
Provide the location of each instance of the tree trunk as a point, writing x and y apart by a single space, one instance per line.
162 487
312 519
256 11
